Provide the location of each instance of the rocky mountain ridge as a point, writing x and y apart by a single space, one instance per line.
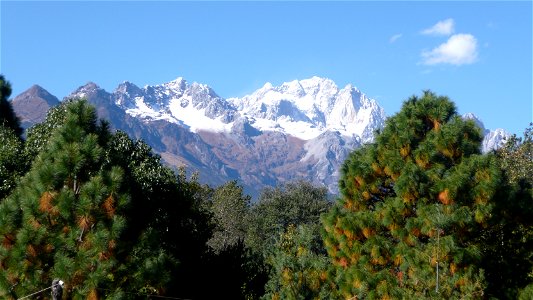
299 130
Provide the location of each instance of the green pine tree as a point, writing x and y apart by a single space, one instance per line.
7 115
292 204
65 218
412 207
300 266
12 162
38 135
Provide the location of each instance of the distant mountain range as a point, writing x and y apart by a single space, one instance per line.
298 130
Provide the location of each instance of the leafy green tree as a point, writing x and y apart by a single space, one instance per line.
293 203
300 266
516 157
413 206
168 223
150 186
65 218
12 163
509 240
7 115
38 135
229 207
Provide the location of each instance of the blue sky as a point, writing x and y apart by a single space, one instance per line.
479 53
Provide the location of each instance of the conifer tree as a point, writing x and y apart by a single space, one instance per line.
300 266
7 115
12 163
412 207
38 135
65 219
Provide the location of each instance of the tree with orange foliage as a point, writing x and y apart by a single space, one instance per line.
64 220
412 207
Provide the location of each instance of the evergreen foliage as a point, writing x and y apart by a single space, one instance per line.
38 135
12 163
65 218
516 157
294 203
168 223
422 214
150 184
289 205
509 241
412 207
229 207
7 115
300 266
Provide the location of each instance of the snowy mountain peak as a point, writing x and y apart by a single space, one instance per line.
85 90
492 139
300 108
89 86
477 120
299 129
178 82
306 108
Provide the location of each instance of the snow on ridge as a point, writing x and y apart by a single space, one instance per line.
306 108
301 108
492 139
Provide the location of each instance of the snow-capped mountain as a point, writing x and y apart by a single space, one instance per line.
307 108
493 139
194 105
298 130
303 129
303 109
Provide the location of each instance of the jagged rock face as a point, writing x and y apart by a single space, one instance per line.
308 108
299 130
493 139
31 106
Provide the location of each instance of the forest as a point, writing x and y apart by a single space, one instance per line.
421 214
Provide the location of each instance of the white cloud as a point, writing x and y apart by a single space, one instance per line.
395 37
460 49
445 27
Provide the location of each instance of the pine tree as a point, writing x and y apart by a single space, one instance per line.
412 207
12 163
38 136
7 115
300 266
65 219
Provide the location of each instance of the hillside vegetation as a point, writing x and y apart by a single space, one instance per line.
421 214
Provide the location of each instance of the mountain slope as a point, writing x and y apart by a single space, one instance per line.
31 106
298 130
493 139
